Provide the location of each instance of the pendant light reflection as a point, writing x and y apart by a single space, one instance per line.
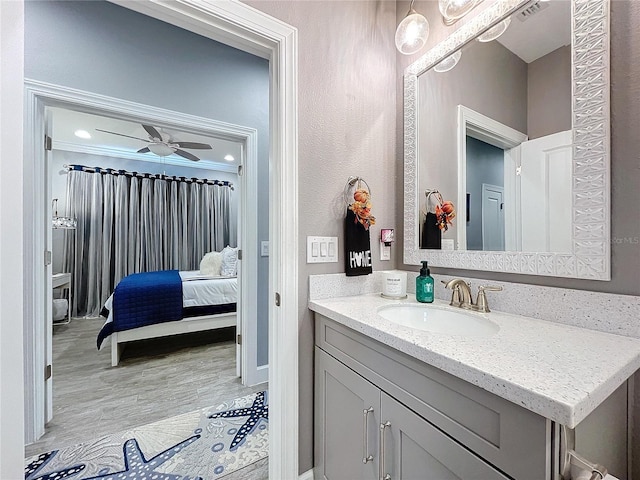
454 10
449 62
412 32
495 31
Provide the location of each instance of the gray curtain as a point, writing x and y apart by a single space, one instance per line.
128 224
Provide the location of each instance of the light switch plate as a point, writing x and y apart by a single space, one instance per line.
322 249
264 248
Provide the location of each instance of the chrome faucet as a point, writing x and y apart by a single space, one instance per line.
461 295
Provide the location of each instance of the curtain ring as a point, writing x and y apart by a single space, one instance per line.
351 182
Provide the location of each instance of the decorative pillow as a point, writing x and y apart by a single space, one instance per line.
210 263
229 267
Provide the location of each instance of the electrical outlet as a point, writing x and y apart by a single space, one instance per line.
264 248
385 251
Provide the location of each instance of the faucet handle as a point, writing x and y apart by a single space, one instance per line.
481 303
489 288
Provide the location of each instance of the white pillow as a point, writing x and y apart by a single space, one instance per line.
210 263
229 267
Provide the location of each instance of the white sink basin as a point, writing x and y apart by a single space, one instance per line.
439 320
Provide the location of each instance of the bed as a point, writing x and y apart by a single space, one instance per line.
168 302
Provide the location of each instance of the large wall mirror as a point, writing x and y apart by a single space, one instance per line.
507 122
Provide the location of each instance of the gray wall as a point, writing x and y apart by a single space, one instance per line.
103 48
485 164
549 93
347 111
488 79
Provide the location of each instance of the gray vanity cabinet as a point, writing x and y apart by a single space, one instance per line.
372 400
366 434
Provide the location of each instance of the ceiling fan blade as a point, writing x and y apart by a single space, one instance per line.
194 145
143 150
152 131
188 155
122 135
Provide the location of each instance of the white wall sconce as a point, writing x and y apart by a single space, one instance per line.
412 32
454 10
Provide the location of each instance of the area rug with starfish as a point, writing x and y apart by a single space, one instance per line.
201 445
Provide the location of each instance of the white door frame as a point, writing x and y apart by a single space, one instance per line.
39 95
242 27
488 130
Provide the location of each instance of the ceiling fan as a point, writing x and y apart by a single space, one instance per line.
164 146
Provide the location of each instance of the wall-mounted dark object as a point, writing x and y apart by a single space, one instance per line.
468 207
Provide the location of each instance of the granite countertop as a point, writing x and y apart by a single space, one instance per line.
558 371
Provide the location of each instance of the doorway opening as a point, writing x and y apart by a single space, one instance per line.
43 97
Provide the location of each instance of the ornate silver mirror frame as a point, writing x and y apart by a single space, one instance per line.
591 256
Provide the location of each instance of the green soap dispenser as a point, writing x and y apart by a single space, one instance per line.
424 285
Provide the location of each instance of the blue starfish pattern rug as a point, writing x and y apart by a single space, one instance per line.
201 445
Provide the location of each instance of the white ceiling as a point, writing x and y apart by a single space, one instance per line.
541 33
66 122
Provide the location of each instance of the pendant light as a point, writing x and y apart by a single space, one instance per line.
495 31
412 32
449 62
454 10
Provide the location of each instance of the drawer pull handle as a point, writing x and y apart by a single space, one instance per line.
366 457
383 476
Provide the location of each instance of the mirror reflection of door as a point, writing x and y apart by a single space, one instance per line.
485 186
545 179
492 218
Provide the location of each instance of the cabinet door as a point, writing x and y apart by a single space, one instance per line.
416 450
344 435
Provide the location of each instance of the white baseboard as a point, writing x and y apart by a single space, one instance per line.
308 475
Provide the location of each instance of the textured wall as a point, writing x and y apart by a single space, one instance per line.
346 106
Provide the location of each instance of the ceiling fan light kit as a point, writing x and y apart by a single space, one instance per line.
163 148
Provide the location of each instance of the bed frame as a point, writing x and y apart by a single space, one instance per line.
165 329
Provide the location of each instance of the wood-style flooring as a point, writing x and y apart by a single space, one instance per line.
156 379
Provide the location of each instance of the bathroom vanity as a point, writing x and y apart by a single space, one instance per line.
394 402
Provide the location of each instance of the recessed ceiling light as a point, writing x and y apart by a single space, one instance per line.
229 158
82 134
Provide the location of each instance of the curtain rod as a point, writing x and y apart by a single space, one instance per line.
159 176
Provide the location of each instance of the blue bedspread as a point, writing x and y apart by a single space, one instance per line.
145 299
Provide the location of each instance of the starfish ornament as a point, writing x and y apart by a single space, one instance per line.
138 467
257 412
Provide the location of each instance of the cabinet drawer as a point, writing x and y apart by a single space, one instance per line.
508 436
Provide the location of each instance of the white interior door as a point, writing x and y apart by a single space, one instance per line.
546 193
492 218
